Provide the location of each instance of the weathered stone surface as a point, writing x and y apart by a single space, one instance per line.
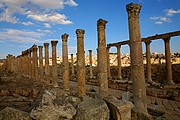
73 100
53 108
92 109
119 110
13 114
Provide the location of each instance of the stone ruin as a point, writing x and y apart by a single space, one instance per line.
31 90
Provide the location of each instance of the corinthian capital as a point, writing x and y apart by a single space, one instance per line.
64 37
133 9
80 32
101 23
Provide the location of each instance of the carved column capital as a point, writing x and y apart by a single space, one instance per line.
101 24
46 44
166 38
64 37
40 47
90 51
54 42
147 42
133 9
80 32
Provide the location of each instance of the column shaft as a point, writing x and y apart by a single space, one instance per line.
119 61
108 63
102 59
90 64
169 79
47 68
148 60
54 64
35 60
65 62
72 64
41 76
137 67
80 62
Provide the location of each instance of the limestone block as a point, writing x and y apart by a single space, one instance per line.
13 114
119 110
53 108
92 109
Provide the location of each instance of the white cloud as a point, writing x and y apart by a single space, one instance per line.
35 9
159 22
20 36
27 23
160 19
171 12
47 31
165 19
71 3
47 25
52 18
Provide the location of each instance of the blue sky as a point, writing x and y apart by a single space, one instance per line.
27 22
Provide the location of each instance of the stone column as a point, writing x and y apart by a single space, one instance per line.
97 58
80 62
119 61
169 79
72 64
108 63
102 59
32 63
26 62
90 64
41 75
29 62
148 60
47 68
54 64
137 67
35 61
65 62
23 62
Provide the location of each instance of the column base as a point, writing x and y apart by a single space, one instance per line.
170 83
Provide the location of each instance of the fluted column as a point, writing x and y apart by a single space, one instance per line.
47 68
169 79
102 59
119 61
72 65
65 62
148 61
41 76
90 64
80 62
35 61
108 63
54 64
137 67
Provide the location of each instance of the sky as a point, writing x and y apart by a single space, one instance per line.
27 22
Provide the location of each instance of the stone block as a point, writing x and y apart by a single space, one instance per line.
92 109
14 114
119 110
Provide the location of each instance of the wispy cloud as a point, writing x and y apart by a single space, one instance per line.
159 20
47 25
20 36
43 11
47 31
171 12
27 23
